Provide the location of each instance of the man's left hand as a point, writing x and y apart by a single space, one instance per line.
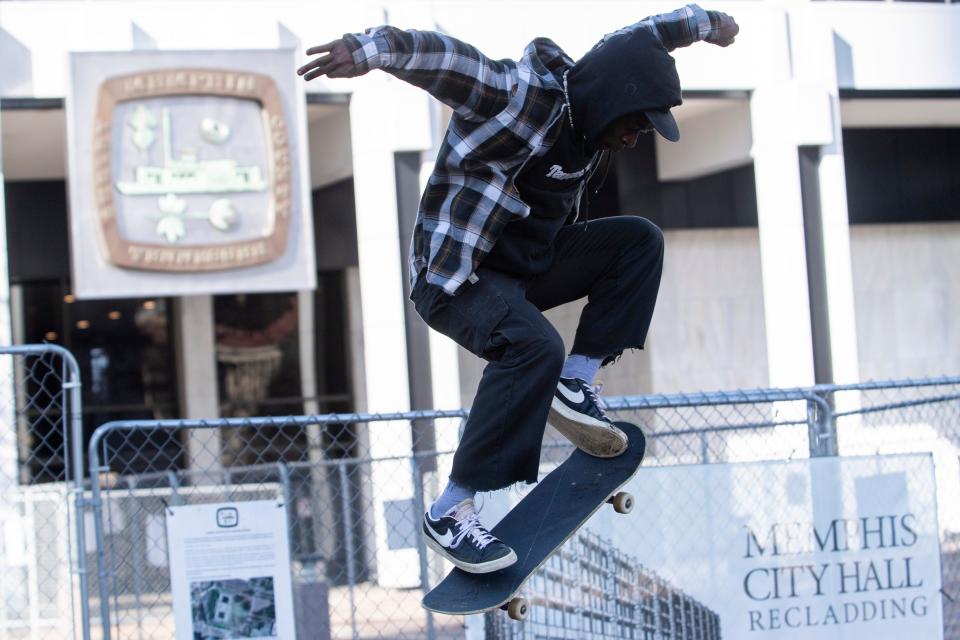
725 29
338 63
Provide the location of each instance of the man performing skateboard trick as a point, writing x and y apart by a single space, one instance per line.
503 233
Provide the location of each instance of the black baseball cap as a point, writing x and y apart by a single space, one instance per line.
662 120
629 71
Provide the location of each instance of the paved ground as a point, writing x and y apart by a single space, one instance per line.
381 614
387 613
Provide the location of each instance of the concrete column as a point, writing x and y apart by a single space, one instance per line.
844 353
780 213
197 375
307 350
444 355
782 252
385 116
815 53
8 434
321 492
358 386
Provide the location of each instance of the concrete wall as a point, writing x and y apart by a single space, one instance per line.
893 45
713 140
8 444
887 45
907 289
708 328
328 134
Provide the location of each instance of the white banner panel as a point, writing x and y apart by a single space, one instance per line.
826 548
230 570
188 174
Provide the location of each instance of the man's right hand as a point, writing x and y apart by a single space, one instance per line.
725 29
338 63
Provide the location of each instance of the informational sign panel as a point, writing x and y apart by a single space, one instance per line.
230 570
188 173
826 548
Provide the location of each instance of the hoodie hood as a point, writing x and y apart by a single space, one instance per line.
627 72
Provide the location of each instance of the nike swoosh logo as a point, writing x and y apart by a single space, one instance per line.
444 539
570 395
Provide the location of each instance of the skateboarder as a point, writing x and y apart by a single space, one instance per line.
503 234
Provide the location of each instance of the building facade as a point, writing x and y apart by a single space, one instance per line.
810 211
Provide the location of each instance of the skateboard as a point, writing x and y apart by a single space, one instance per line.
546 518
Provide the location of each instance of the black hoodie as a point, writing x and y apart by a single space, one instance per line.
602 88
627 72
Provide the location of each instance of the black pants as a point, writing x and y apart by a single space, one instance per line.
615 263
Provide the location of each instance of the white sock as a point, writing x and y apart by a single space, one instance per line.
453 495
583 367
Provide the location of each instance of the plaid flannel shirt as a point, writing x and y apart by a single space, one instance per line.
504 114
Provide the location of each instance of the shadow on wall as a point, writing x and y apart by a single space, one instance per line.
844 56
17 76
142 39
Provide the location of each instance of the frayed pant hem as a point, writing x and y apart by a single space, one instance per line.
494 487
607 357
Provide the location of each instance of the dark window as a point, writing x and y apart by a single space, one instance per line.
902 175
123 347
258 371
37 231
335 226
718 200
124 350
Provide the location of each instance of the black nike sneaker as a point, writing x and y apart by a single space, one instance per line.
576 414
460 538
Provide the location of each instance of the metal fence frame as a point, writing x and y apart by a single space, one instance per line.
72 421
96 468
820 420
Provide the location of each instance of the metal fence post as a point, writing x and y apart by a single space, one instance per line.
97 504
174 481
284 474
421 545
821 427
348 530
71 426
138 547
74 408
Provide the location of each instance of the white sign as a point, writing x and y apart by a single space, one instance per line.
826 548
230 570
188 174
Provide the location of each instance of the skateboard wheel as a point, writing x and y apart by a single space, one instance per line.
517 608
622 502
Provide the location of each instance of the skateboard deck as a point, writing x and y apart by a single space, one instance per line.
546 518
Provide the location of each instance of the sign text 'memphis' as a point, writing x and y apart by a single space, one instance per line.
841 535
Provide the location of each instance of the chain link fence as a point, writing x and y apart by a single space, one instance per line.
42 572
352 489
912 416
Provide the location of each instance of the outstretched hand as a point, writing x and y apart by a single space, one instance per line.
727 31
338 63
